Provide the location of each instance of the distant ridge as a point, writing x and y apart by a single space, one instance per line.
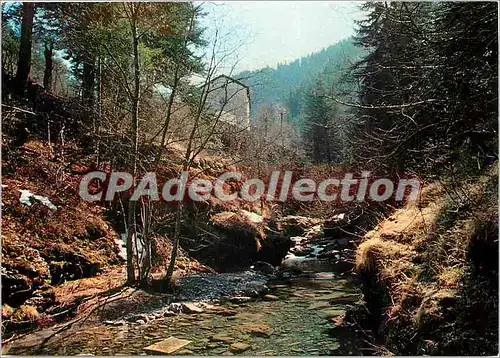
287 81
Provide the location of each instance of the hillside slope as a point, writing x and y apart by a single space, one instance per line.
430 271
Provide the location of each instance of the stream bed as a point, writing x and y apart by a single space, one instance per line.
294 316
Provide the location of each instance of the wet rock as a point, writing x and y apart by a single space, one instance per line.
298 240
333 313
263 267
185 352
301 250
167 346
139 317
314 232
175 307
270 298
240 299
243 238
222 338
191 308
290 267
114 323
255 289
259 329
329 253
238 347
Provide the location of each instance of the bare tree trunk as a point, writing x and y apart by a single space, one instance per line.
175 246
24 61
146 241
135 135
49 65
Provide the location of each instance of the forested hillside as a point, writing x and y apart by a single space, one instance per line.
286 84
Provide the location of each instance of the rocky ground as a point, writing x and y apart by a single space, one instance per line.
298 317
244 312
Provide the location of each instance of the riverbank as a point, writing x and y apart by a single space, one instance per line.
249 313
430 272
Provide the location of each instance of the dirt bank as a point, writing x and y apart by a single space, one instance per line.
430 273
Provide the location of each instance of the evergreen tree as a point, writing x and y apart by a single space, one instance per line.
24 59
319 132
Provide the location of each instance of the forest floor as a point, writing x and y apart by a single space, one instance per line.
58 251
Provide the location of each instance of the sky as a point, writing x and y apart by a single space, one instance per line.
271 32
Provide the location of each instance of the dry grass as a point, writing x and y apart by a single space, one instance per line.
420 254
375 251
415 218
25 313
68 292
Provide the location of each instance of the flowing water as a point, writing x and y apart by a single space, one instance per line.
298 319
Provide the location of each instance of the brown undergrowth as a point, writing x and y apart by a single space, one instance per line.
54 260
430 271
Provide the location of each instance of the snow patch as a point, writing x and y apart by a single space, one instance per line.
26 196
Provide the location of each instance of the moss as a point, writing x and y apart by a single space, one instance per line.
7 311
25 313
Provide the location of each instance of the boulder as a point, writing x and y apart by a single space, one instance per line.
188 307
263 267
236 240
238 347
